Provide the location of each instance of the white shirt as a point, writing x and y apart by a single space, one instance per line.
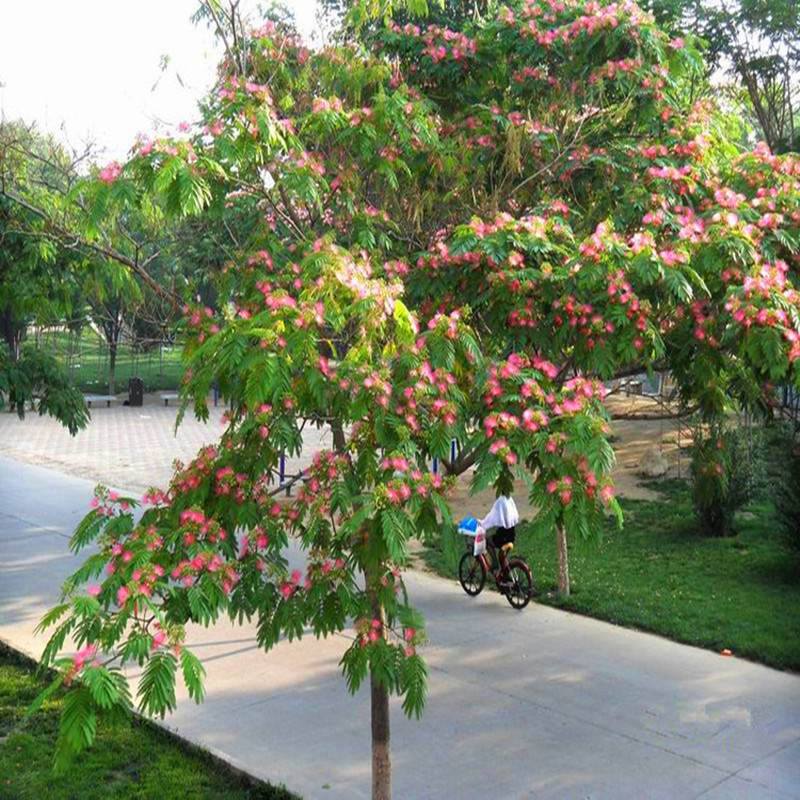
504 514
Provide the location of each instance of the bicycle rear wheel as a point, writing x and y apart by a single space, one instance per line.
519 584
471 574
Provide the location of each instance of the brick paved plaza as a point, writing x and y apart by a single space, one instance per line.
130 448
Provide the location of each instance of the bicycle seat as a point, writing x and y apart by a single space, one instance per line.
507 546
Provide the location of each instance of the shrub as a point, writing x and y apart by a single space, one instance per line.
787 498
746 448
728 471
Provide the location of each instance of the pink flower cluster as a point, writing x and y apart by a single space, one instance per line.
109 173
201 319
429 395
596 16
143 582
440 44
369 631
704 320
749 306
533 73
197 527
289 587
159 637
321 104
611 69
233 84
194 475
693 229
414 483
357 276
327 569
325 469
727 198
447 322
231 484
683 178
86 655
189 570
598 242
155 497
108 504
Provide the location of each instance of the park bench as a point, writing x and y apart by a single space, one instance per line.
167 396
108 399
634 387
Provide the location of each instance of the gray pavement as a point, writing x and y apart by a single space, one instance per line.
124 446
540 704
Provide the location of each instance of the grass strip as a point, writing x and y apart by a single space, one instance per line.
135 759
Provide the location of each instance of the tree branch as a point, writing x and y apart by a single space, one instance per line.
107 252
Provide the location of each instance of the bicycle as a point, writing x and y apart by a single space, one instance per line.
513 576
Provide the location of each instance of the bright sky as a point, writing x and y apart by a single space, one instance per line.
91 69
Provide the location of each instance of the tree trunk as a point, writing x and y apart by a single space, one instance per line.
563 561
379 711
381 749
11 332
112 366
339 440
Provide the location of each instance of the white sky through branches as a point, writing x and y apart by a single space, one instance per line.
91 69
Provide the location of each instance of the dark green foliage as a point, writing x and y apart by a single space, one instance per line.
748 472
787 497
728 471
755 41
37 379
38 282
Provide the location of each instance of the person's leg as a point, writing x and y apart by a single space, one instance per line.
491 553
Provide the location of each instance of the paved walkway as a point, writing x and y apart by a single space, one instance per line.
539 704
123 446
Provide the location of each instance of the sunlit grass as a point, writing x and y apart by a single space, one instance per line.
88 363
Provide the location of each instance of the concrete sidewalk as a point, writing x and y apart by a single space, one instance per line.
540 704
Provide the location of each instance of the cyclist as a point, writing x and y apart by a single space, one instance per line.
504 517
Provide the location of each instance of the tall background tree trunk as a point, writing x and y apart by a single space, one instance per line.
563 561
112 366
11 331
112 328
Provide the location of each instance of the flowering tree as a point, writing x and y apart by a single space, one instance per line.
614 229
462 235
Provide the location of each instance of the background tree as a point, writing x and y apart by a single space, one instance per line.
757 43
38 280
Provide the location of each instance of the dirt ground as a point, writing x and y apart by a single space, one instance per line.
631 438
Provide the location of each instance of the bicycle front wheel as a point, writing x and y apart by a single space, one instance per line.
471 574
519 587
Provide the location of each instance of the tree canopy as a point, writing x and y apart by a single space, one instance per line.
459 234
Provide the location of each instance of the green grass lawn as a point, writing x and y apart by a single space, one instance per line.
132 760
88 366
658 574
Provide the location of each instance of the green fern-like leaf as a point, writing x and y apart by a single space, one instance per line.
157 687
193 674
77 728
414 685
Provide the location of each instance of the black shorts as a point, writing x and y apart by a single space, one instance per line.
503 536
